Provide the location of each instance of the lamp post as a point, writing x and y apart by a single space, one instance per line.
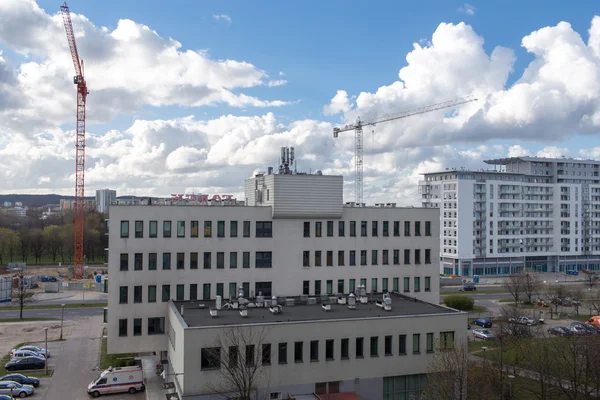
62 318
510 390
46 358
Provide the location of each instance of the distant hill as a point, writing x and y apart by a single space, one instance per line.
36 200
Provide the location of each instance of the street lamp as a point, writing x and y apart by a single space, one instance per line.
46 363
62 317
510 391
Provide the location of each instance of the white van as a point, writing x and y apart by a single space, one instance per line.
118 380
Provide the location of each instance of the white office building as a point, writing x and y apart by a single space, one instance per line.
529 213
104 199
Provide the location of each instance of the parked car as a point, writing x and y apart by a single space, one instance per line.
483 322
19 364
16 389
595 320
572 272
484 334
578 329
588 329
36 349
523 320
540 302
517 330
5 397
22 379
469 287
18 353
560 331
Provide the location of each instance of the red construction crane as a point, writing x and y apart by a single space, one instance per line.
82 93
357 127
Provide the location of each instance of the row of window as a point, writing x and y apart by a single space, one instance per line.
212 358
155 326
266 288
385 228
385 257
262 259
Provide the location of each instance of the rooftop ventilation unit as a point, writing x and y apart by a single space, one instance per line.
213 312
352 301
276 309
326 306
244 313
386 303
350 203
341 299
362 294
390 205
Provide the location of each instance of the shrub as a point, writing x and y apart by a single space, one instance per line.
460 302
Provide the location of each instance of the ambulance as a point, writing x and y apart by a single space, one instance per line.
118 380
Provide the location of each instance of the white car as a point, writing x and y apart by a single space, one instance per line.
36 349
16 389
484 334
523 320
24 353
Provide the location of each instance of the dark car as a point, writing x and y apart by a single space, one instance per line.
560 331
4 397
22 379
469 287
588 329
20 364
483 322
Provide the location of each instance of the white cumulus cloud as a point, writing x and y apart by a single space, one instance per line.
467 9
338 104
222 17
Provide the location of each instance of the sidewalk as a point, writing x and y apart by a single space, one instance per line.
154 383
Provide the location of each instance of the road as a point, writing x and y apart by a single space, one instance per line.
53 313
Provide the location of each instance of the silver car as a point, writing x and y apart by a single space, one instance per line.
16 389
36 349
24 353
484 334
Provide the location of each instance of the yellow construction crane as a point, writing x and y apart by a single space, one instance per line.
357 127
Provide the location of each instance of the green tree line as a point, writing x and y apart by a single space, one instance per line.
49 241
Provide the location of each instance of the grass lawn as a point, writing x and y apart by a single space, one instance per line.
55 306
511 300
47 260
114 360
2 320
477 308
496 291
475 346
37 372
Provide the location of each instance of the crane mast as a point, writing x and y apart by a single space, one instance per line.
82 93
357 127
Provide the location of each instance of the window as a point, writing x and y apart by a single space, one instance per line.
306 258
166 229
417 228
329 228
404 386
429 343
124 263
180 229
207 229
282 353
139 229
417 256
329 349
402 345
374 285
406 228
317 287
265 358
427 256
363 282
446 340
359 347
318 258
206 291
220 260
385 257
363 228
298 349
180 292
234 356
305 287
306 229
232 289
180 260
352 257
138 261
137 294
363 257
194 260
207 260
152 261
166 292
314 350
388 346
427 284
374 257
344 350
263 259
246 229
152 294
374 229
386 228
318 229
124 229
166 260
210 358
416 343
329 258
250 354
329 287
221 229
427 228
353 228
233 229
233 259
384 285
351 285
193 291
194 228
153 232
406 285
396 285
396 257
406 256
396 228
341 228
123 295
122 327
340 257
340 286
137 327
246 259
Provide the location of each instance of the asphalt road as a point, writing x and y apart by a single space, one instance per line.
53 313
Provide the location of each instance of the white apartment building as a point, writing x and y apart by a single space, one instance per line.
530 213
104 199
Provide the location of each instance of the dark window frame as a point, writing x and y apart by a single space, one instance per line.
264 229
124 229
139 229
167 229
153 229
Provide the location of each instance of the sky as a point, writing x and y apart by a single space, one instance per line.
198 96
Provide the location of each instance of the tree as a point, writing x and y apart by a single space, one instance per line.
590 277
53 239
8 245
514 285
24 245
37 244
555 295
21 295
241 375
68 243
530 284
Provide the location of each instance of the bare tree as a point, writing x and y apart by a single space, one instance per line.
514 285
24 245
21 295
53 240
530 284
37 244
590 277
555 295
243 357
573 362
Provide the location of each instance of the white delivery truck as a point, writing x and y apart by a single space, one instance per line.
118 380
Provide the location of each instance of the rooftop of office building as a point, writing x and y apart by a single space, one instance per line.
510 160
303 309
